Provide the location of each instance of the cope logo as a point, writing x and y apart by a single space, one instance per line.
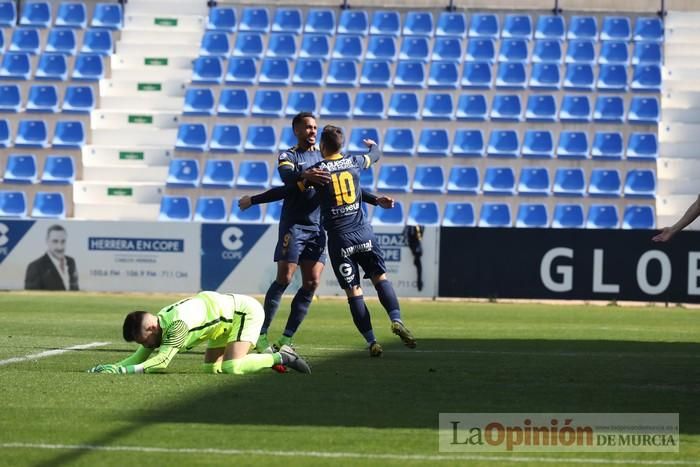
231 240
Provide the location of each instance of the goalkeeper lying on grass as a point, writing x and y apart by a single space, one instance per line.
229 323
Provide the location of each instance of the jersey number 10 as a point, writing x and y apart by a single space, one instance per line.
343 188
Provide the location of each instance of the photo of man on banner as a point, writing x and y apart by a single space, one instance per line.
53 270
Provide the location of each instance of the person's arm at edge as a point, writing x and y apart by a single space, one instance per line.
690 215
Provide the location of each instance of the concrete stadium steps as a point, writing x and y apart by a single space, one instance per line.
160 21
134 119
133 173
109 193
120 156
156 49
134 138
140 85
146 63
144 102
166 8
97 211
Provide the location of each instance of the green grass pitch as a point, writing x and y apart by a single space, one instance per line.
353 410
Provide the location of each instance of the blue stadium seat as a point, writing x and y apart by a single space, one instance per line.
175 208
423 213
545 76
248 44
638 217
54 67
573 145
368 105
253 174
308 72
583 27
569 181
210 209
367 178
199 101
616 28
15 66
513 50
300 101
357 134
240 70
418 23
320 21
25 40
183 173
447 49
647 52
61 40
281 45
403 105
506 107
42 99
534 181
463 180
226 138
495 215
107 15
267 103
315 46
36 14
607 145
78 99
287 140
342 73
393 178
381 48
503 143
20 168
602 216
567 216
13 204
517 26
353 22
605 183
477 75
386 22
260 138
484 25
254 19
481 50
5 139
579 77
499 181
31 134
614 52
643 110
434 142
458 215
428 179
472 107
233 102
8 14
575 109
609 109
532 215
58 170
438 106
215 43
10 98
376 73
541 108
538 144
273 213
550 27
547 51
222 18
252 215
50 205
399 142
646 78
642 147
443 75
468 143
97 41
581 52
218 173
191 137
409 74
511 76
335 105
640 183
612 78
287 20
393 216
275 72
208 70
348 47
649 29
414 48
452 24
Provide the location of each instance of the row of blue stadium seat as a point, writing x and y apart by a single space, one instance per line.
421 23
436 106
413 74
34 134
432 142
13 204
51 67
251 44
69 14
220 173
59 40
45 98
23 168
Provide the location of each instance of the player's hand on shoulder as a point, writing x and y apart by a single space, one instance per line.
385 202
316 176
245 202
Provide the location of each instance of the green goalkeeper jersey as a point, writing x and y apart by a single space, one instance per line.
185 324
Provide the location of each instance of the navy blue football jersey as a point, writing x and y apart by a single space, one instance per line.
300 207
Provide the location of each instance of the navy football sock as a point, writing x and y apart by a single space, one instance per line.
388 299
300 306
272 303
361 318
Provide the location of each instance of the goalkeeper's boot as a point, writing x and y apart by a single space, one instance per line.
375 350
398 328
292 360
263 346
282 341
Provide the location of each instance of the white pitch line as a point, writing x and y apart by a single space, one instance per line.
51 353
346 455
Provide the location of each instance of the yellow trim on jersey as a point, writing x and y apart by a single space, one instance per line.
368 161
301 186
286 163
333 157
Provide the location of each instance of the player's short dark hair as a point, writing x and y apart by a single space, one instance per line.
298 118
332 139
132 325
54 228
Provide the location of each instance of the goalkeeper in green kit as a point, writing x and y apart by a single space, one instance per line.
229 323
